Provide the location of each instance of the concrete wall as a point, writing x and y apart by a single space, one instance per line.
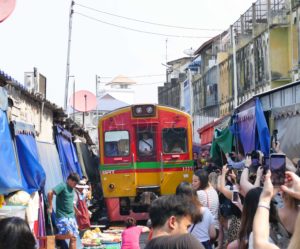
27 110
279 53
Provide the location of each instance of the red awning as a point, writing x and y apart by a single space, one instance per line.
206 133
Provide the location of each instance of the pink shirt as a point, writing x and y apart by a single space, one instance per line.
131 238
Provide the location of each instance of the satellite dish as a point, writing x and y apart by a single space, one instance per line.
85 101
190 52
6 8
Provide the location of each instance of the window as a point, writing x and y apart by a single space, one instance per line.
146 141
116 143
174 140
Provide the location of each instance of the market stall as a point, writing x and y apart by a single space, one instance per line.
108 239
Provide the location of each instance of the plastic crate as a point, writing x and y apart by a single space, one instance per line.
12 211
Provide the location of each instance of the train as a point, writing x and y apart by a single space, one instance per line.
145 152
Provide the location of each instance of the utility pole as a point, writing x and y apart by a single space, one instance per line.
97 82
74 99
68 56
191 93
167 72
235 103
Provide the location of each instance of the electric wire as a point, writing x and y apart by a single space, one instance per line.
147 22
138 84
141 31
136 76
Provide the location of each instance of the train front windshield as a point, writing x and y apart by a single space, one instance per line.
174 140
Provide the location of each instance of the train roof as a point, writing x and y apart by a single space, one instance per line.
157 105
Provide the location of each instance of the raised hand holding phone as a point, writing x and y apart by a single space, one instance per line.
277 168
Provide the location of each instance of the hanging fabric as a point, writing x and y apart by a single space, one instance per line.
80 158
33 174
262 129
246 127
67 153
10 176
224 140
91 162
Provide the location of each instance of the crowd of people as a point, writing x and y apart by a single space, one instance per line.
232 207
236 206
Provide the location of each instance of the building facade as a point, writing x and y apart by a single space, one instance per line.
263 45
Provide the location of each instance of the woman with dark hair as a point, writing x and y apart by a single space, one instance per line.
131 235
207 195
185 188
204 230
251 201
15 234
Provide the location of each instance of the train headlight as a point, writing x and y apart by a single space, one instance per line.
143 111
138 110
149 109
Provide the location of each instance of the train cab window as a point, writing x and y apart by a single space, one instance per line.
174 140
145 143
116 143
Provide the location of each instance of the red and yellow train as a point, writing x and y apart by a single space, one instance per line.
145 152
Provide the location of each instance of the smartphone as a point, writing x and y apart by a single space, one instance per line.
235 196
266 164
277 167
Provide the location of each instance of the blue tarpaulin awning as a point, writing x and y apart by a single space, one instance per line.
251 128
67 153
33 174
10 176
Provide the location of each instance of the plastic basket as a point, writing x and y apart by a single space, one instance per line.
12 211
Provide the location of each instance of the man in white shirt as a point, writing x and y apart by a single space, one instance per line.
146 145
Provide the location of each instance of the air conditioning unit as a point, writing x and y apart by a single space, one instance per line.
35 82
29 81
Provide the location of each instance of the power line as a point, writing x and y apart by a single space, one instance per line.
142 31
152 23
139 84
137 76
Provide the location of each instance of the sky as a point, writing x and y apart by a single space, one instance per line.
36 35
